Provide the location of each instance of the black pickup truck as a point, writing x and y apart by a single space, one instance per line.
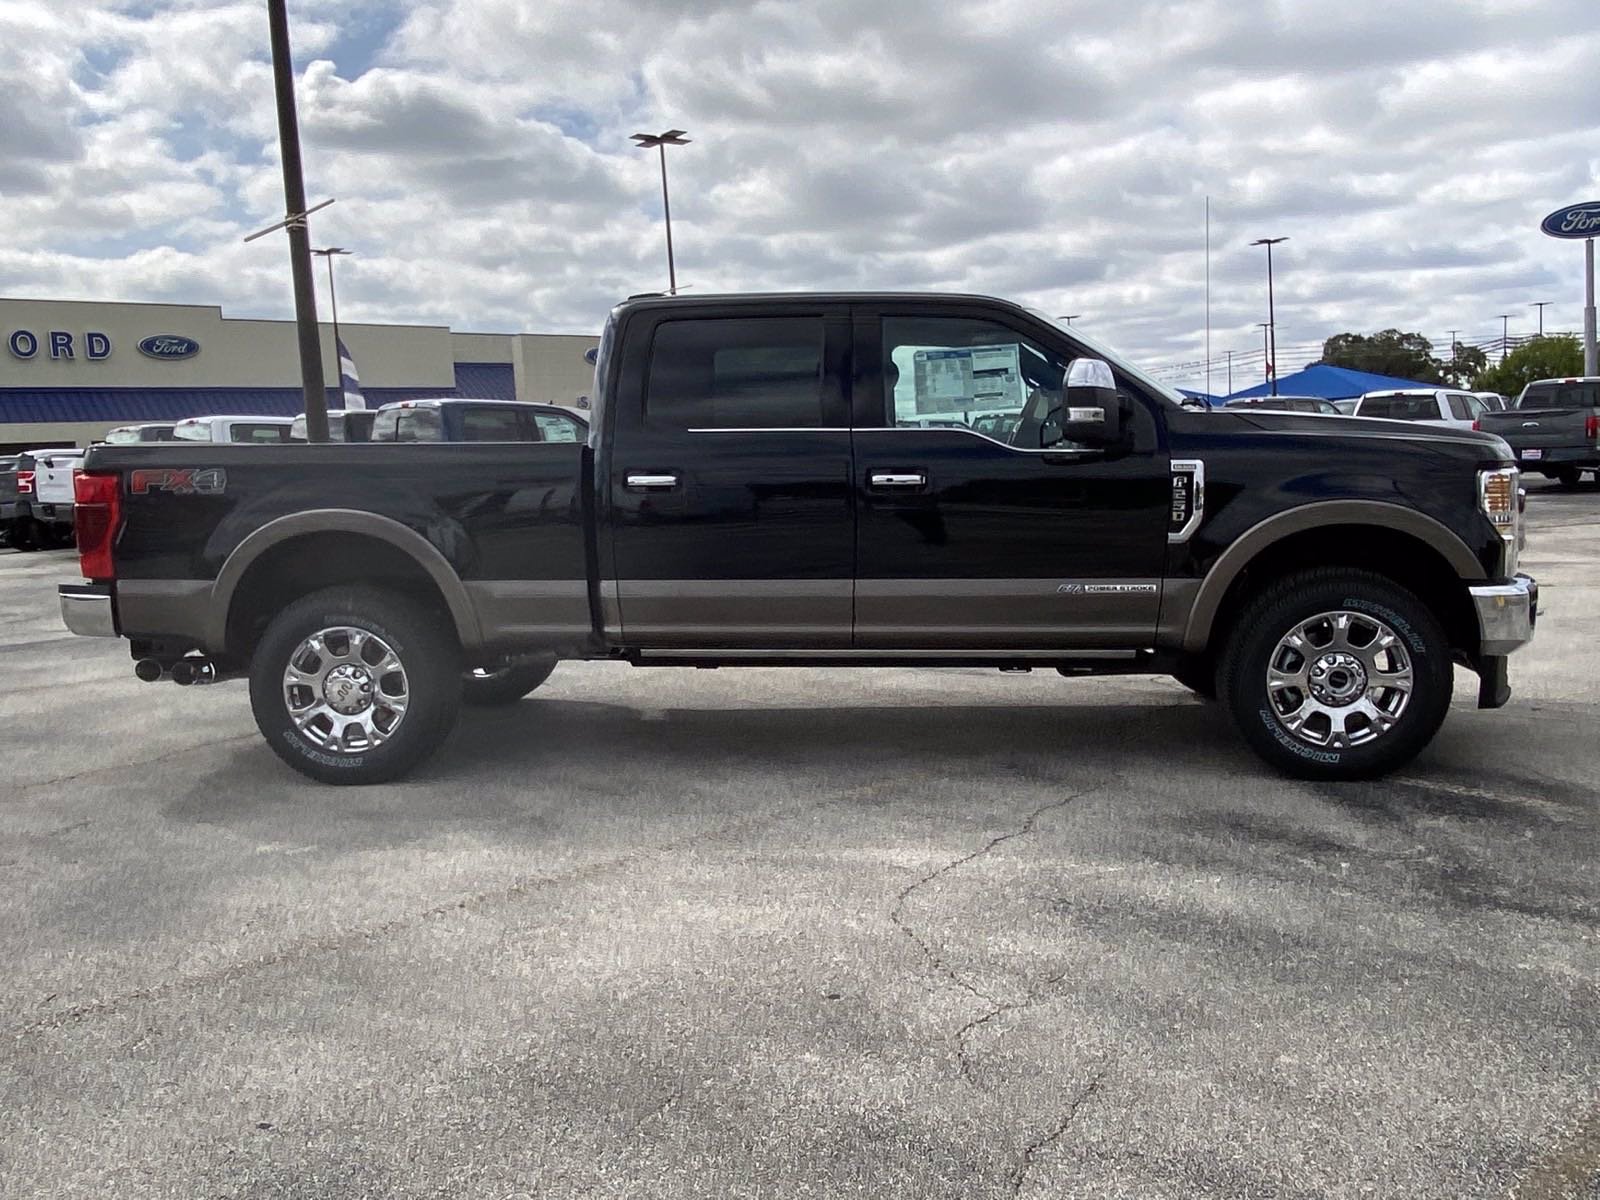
806 480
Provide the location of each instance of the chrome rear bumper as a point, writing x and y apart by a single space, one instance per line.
1506 614
87 609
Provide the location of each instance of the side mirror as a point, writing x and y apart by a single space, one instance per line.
592 355
1093 412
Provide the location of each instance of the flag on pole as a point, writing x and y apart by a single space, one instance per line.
349 381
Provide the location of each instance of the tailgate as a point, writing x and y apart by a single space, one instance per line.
52 483
1538 429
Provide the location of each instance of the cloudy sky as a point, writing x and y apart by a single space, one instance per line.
1059 153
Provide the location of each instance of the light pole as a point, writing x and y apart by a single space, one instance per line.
660 141
1272 319
1230 372
1505 327
1069 318
1540 305
1266 360
330 253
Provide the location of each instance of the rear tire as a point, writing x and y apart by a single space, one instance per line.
354 685
493 687
24 535
1337 673
1568 477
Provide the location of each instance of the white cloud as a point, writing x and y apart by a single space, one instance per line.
1058 152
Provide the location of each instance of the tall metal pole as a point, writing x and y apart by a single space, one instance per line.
1266 355
1505 334
294 196
1230 372
1591 361
1540 305
666 208
1208 295
1272 320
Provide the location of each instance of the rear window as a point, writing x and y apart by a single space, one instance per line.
743 373
1400 408
419 425
258 433
1561 395
491 425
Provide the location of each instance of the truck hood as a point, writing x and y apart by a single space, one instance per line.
1411 434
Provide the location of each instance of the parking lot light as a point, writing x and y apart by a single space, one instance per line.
660 142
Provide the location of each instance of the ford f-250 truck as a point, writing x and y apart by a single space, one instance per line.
802 480
1553 429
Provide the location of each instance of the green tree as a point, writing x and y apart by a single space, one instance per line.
1389 352
1465 365
1541 358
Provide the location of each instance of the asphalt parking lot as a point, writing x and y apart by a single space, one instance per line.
799 933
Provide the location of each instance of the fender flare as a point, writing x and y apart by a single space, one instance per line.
1265 534
341 520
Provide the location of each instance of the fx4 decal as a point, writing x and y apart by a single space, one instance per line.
180 481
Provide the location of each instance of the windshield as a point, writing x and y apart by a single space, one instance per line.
1112 357
197 431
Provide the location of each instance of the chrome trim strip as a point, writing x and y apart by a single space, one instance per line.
892 652
1075 451
890 480
1197 468
639 481
86 610
1505 615
775 429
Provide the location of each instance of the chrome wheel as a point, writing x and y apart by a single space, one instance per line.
1339 679
346 690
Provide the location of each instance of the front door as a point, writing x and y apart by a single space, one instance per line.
732 514
978 526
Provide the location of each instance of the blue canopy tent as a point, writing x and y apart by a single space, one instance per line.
1331 383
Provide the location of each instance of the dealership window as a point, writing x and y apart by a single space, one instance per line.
757 373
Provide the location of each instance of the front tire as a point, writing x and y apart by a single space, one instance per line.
1337 674
355 686
1568 477
491 687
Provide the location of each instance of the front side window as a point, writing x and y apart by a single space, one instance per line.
742 373
260 434
1459 409
553 428
491 425
978 375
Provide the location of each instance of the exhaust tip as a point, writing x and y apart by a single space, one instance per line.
148 669
183 672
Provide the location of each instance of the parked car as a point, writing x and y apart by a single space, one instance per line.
150 431
1429 406
8 496
750 497
44 498
1299 404
1554 428
252 431
1493 401
462 420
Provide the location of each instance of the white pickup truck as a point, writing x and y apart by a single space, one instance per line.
44 498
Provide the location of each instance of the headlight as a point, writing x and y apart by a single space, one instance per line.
1498 500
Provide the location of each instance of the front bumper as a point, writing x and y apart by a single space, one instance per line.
1506 614
88 609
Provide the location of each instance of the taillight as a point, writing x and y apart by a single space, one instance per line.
1477 427
24 483
98 516
1591 427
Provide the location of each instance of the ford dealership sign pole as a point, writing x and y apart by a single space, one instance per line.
1581 221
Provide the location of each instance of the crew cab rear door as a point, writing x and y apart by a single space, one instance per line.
973 534
731 514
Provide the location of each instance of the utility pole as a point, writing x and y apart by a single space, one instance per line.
1266 355
294 197
1540 305
1505 327
1230 372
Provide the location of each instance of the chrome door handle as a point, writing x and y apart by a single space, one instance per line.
641 482
898 479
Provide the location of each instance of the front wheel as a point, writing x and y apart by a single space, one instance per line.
352 685
1337 674
486 687
1568 477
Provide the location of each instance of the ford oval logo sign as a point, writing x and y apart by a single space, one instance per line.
169 346
1574 221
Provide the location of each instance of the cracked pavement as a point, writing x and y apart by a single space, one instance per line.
799 933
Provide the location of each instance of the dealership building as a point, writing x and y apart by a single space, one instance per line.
70 370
